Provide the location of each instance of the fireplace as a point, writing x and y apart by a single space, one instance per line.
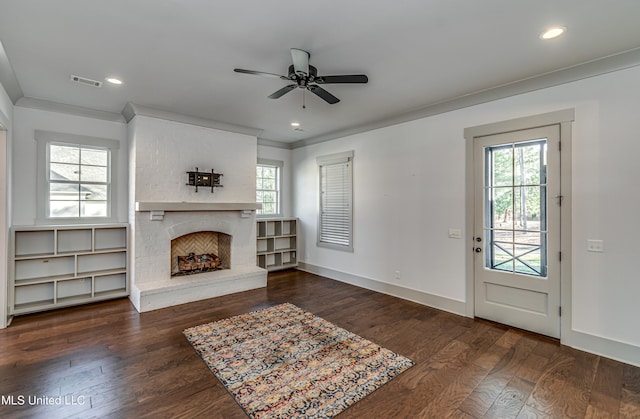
163 231
199 252
162 207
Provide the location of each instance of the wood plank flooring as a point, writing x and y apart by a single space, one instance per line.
106 360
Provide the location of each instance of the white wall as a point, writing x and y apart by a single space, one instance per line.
6 119
408 190
409 187
24 156
166 150
284 155
160 154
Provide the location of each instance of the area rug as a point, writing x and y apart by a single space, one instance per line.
284 362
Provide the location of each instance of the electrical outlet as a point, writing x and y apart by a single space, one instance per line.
397 275
595 245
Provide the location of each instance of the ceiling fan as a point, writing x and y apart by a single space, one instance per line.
305 76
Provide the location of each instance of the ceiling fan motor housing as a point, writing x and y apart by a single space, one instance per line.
303 79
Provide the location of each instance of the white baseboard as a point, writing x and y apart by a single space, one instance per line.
620 351
420 297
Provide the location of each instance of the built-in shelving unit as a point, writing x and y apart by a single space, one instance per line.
59 266
277 245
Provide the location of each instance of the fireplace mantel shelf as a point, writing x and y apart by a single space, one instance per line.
157 209
197 206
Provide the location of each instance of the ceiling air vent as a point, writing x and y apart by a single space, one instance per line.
86 81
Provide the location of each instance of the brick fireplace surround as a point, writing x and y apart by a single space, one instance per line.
163 148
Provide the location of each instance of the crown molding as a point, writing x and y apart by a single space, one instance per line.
273 143
8 77
131 110
609 64
45 105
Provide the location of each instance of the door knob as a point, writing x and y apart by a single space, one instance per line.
478 239
478 249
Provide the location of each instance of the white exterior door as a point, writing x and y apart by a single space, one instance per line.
517 229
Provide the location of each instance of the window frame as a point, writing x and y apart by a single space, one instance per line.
278 165
342 159
44 139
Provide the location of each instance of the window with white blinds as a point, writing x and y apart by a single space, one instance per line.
335 224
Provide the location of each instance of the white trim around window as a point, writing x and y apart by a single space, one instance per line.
335 213
44 140
273 190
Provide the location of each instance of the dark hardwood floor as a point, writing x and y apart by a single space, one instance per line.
106 360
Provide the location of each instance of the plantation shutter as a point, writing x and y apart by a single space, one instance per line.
336 199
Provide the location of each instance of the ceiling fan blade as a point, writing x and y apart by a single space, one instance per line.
323 94
348 78
300 60
283 91
259 73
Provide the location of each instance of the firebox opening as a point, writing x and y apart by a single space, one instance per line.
202 251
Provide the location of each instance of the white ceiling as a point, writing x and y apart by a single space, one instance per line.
179 55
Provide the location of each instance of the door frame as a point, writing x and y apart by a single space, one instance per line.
5 212
564 119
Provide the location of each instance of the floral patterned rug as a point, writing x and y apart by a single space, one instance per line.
285 362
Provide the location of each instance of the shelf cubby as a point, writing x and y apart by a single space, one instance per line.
289 258
73 288
30 243
35 293
73 241
110 238
288 227
48 266
105 284
101 262
285 243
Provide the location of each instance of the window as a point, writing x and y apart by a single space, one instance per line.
268 173
78 181
335 221
76 177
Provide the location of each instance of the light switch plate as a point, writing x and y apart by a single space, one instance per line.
595 245
455 233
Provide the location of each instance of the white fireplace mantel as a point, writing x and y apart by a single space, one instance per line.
157 209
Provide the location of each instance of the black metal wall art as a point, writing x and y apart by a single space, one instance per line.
205 179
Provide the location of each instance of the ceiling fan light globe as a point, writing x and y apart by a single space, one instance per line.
300 60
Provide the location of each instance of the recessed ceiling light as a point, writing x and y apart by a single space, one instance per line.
113 80
553 32
295 124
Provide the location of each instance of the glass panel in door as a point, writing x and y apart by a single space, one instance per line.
515 200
